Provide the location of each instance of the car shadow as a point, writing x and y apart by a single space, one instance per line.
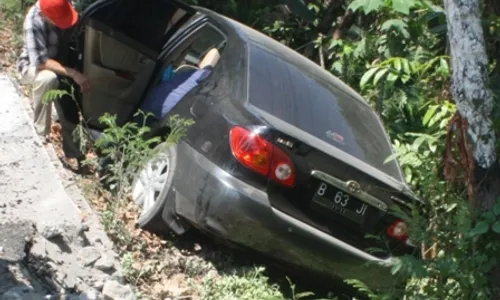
230 259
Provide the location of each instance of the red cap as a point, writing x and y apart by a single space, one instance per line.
61 12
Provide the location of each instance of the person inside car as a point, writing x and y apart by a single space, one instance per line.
175 86
38 66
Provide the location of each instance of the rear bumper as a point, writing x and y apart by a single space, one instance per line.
214 200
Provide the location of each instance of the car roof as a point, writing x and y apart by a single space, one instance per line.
251 36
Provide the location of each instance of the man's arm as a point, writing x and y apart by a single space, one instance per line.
55 66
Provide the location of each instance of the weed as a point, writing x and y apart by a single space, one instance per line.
250 285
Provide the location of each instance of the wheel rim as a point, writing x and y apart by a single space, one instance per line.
151 181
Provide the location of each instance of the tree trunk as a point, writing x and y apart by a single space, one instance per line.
332 11
470 87
474 100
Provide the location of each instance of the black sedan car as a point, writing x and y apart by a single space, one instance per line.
283 157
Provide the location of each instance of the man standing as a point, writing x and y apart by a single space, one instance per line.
37 64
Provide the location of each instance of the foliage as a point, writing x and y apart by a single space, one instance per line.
466 252
253 285
250 284
459 251
421 157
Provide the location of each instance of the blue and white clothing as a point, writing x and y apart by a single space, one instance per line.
169 92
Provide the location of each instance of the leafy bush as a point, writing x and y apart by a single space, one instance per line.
458 247
250 286
459 253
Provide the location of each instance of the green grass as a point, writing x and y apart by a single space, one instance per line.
249 286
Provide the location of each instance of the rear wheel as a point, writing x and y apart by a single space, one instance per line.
152 190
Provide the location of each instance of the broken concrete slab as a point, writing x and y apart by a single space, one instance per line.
13 238
114 290
105 264
89 255
35 190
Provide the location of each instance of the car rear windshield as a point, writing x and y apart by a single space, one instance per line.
289 91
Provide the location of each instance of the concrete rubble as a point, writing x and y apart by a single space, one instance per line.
47 249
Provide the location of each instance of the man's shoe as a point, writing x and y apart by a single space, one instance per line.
83 169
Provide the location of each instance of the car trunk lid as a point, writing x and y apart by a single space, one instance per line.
336 141
326 177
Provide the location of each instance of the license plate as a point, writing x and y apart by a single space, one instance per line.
340 202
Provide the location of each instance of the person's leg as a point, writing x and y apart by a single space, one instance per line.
67 110
43 82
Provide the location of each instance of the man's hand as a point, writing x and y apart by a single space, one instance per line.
78 77
81 80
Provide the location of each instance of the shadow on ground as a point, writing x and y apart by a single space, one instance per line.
32 278
18 282
229 259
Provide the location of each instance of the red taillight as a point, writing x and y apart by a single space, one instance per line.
261 156
398 230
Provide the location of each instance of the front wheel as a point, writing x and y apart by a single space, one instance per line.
152 190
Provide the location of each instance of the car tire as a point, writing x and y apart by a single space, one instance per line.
152 191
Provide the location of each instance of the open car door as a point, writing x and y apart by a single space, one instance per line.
119 42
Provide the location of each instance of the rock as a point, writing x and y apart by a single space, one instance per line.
87 295
113 290
50 231
92 295
21 293
11 295
89 255
175 286
13 237
98 285
105 264
84 228
81 240
118 276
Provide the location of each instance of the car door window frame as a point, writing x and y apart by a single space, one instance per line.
172 47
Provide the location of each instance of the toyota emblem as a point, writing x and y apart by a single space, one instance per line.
353 187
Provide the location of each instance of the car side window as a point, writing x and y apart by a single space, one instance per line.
205 39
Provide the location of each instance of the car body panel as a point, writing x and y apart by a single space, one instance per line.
220 204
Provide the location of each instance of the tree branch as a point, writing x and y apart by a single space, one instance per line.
346 22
